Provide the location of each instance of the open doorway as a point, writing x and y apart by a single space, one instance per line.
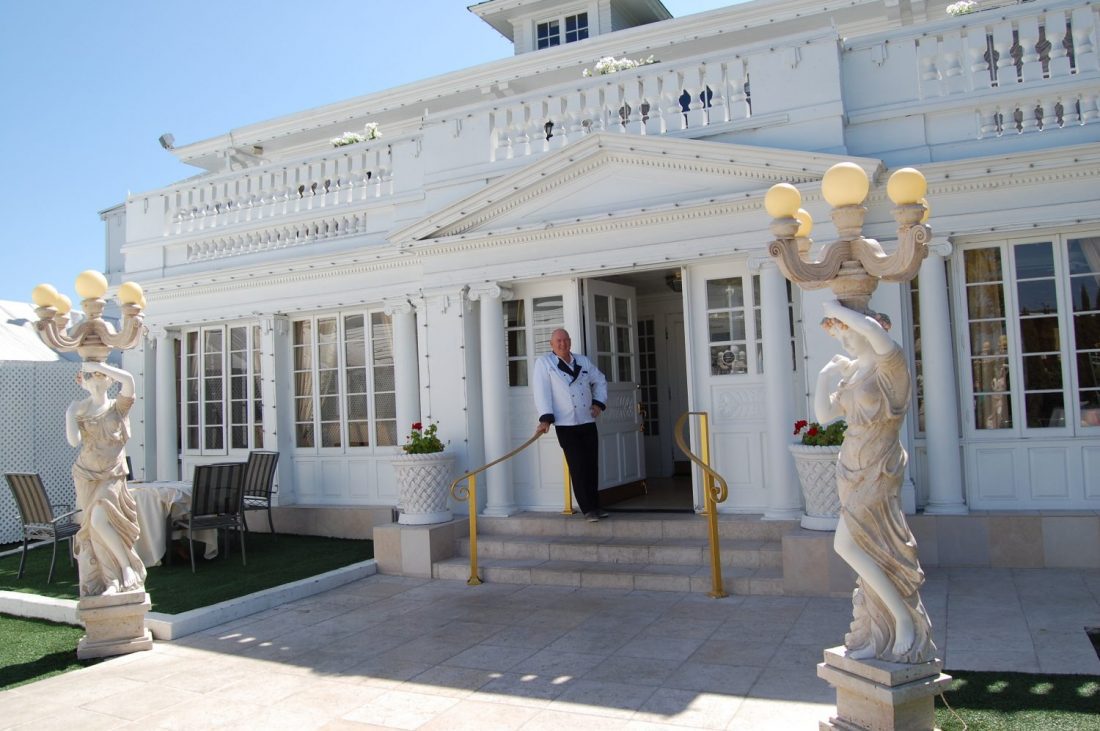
661 385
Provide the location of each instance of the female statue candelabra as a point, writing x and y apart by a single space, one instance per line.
871 390
100 426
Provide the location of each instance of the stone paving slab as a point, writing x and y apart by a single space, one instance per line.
396 653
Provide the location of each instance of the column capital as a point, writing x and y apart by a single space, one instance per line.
761 262
444 298
160 332
940 247
274 322
402 305
489 290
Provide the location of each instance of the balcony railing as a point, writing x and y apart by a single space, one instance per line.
1022 68
648 100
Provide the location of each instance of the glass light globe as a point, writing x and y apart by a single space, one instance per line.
44 295
129 293
845 184
141 302
927 210
63 304
91 284
805 222
906 186
782 200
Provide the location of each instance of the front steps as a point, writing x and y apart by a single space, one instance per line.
650 551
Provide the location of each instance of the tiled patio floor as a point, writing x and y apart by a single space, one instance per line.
395 653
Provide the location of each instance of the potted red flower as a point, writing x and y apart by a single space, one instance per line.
815 461
424 473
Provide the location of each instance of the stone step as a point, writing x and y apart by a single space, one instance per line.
744 553
600 575
651 526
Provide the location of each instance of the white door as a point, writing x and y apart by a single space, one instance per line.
611 341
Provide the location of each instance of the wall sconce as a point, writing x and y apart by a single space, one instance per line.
675 281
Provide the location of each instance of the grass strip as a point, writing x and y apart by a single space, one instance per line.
997 701
272 561
33 649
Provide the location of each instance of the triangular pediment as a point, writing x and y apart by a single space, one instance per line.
609 175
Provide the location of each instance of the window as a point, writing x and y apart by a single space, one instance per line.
344 393
726 325
576 27
614 337
1033 334
647 376
548 33
729 336
223 404
529 337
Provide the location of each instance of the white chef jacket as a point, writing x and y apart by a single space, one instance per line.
570 404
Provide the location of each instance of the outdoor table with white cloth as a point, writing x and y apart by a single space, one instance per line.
155 500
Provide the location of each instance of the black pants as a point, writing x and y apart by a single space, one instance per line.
581 445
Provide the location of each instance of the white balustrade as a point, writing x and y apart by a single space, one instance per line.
650 100
336 180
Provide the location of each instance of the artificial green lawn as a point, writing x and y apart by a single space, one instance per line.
33 649
1011 701
272 561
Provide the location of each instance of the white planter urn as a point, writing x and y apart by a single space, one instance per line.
816 468
424 487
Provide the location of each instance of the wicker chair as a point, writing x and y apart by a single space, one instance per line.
259 483
40 523
216 494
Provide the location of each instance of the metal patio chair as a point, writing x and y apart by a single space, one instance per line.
216 503
40 523
259 483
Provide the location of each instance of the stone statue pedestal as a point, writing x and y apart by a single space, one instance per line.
874 695
114 624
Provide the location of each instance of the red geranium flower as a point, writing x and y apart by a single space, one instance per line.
812 432
417 426
799 426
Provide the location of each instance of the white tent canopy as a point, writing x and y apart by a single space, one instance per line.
18 339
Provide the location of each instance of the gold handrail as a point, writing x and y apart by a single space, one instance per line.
469 495
715 491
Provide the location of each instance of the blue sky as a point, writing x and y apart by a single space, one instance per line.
90 86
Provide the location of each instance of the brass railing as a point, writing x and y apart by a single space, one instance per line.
568 498
715 491
468 494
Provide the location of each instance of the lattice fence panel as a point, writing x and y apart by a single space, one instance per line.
32 432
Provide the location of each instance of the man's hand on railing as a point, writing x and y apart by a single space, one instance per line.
543 427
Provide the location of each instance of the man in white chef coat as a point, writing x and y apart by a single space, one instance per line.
570 393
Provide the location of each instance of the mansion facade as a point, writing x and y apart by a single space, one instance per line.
318 298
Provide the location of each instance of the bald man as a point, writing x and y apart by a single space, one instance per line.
570 393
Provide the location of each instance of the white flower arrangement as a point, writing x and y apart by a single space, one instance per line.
962 7
611 65
370 132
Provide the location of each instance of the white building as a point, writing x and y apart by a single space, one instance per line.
318 299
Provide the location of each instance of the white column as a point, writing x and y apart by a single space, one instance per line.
276 389
166 420
784 493
406 367
500 493
941 404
